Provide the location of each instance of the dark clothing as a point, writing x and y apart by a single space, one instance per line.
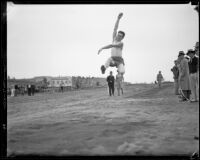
175 72
61 88
193 65
16 87
111 79
32 90
29 89
111 82
111 89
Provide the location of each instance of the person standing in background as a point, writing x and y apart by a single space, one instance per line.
159 78
175 71
193 70
184 77
197 55
29 89
13 91
32 89
111 84
61 87
196 49
119 81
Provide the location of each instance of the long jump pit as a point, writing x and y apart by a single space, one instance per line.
145 120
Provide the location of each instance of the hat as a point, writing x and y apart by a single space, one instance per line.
181 53
190 51
197 44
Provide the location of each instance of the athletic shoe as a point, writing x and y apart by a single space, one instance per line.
103 69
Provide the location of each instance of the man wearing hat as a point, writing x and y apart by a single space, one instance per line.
184 81
193 74
196 49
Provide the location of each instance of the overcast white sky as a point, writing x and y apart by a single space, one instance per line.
53 40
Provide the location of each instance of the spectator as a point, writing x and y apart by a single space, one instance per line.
175 71
29 89
197 54
25 89
196 49
8 91
16 90
22 90
159 78
193 74
184 77
13 91
61 87
111 81
32 90
119 81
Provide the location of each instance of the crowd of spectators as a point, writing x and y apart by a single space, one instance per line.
186 75
16 90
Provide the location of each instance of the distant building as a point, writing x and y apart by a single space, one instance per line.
41 78
58 81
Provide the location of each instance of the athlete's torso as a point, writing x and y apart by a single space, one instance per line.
116 51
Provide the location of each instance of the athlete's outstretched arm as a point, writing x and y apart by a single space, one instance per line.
116 25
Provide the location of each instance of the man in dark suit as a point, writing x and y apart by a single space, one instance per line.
29 89
32 89
111 83
193 70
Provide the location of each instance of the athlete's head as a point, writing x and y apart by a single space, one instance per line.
120 35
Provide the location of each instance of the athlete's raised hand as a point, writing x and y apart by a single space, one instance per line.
120 15
99 51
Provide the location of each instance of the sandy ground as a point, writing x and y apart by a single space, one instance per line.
144 121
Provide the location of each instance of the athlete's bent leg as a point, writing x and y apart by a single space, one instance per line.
107 64
121 69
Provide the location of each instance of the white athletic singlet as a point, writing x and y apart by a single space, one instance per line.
115 51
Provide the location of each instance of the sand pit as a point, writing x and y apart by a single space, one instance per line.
144 121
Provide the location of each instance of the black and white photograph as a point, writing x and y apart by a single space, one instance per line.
102 79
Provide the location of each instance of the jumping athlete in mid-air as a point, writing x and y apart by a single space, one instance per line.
116 59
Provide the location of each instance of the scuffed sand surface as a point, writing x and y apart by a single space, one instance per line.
144 121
